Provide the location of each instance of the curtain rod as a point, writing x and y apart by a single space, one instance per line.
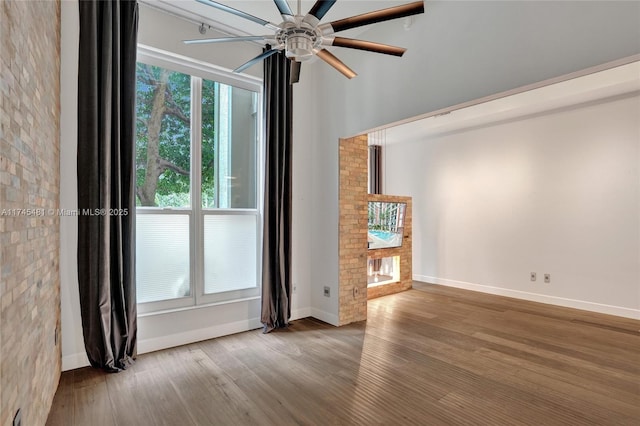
213 25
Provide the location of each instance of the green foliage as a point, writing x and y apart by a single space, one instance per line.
174 142
175 137
177 199
144 96
209 94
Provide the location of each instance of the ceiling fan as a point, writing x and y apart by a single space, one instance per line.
302 37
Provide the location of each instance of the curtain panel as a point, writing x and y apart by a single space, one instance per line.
106 181
276 253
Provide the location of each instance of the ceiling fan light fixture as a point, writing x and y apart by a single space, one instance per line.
299 47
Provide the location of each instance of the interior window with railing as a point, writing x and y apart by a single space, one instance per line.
198 162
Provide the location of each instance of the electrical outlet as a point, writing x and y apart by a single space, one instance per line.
533 276
17 419
547 278
327 291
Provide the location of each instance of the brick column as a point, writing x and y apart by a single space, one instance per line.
353 230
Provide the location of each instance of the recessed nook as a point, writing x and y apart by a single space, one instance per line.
385 270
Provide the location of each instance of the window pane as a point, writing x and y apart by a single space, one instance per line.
162 257
163 153
230 252
229 146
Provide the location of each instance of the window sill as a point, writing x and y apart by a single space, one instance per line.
189 308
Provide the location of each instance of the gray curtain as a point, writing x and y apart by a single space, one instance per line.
106 179
276 252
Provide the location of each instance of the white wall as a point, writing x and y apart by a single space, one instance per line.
554 193
73 354
155 332
457 52
302 195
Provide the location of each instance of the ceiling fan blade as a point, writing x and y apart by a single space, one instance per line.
373 17
329 58
255 60
321 7
318 10
294 75
225 39
365 45
237 12
284 9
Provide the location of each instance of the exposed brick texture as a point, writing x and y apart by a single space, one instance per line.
353 230
30 359
353 252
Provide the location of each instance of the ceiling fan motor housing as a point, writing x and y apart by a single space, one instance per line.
299 41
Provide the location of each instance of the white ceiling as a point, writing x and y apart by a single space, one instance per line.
264 9
605 81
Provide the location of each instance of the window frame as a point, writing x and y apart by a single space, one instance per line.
200 70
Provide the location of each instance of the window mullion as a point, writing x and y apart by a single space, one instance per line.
216 144
196 188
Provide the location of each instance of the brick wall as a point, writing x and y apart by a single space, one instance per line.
30 357
353 230
353 252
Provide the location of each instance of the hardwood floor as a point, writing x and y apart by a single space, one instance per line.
429 356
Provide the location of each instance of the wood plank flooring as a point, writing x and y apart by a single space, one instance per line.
429 356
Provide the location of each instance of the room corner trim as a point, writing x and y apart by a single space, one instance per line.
534 297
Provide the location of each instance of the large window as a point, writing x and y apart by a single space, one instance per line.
198 227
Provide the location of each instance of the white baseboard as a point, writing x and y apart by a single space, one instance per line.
79 360
325 316
73 361
300 313
198 335
535 297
